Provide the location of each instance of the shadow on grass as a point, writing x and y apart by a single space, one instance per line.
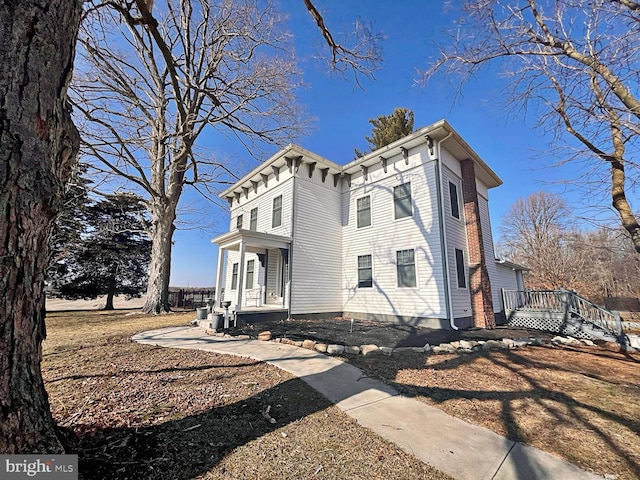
559 404
186 447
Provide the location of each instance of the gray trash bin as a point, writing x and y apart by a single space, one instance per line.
216 321
201 313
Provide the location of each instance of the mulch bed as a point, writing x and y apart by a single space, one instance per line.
341 331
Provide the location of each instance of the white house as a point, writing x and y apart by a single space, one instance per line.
402 234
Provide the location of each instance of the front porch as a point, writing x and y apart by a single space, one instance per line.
260 274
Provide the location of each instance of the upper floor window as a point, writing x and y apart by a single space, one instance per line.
234 277
460 269
453 198
253 221
239 222
364 211
402 200
250 268
365 271
276 218
406 268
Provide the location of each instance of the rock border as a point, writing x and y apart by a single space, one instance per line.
458 347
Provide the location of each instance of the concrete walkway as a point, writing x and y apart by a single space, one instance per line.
453 446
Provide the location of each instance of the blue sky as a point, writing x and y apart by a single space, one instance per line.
510 145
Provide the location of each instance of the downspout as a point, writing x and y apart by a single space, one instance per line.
443 237
293 226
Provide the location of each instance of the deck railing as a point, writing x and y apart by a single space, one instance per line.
563 302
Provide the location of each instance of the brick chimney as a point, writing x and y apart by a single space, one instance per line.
479 283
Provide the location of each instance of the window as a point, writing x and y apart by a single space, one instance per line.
462 279
253 221
364 212
276 218
365 272
402 200
406 265
453 198
234 277
239 222
249 283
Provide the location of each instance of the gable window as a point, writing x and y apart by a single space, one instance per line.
462 278
365 272
253 221
406 266
402 200
453 198
364 211
234 277
276 218
239 222
250 267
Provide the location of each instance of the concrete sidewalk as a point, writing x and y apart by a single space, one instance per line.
453 446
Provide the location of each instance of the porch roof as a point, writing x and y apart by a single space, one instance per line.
254 241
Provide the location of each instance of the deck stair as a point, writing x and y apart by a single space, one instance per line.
563 311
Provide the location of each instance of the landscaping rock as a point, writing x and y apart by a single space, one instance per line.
352 350
297 344
509 343
370 350
587 342
455 345
309 344
467 344
386 350
418 349
402 350
335 349
634 341
321 347
494 345
264 336
426 348
444 348
243 337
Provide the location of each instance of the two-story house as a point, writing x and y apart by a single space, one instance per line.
402 234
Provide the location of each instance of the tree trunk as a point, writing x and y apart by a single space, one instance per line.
109 303
163 217
38 144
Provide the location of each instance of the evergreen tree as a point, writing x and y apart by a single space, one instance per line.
108 256
387 129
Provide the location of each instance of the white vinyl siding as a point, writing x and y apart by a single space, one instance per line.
456 239
317 247
386 236
504 277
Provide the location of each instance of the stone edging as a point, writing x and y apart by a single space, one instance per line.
459 347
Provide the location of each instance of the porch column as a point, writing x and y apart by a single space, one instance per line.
222 257
240 276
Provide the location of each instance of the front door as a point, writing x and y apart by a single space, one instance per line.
274 278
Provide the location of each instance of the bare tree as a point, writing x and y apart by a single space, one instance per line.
536 231
38 144
578 61
147 92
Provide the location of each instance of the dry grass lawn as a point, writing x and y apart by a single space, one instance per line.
580 404
136 411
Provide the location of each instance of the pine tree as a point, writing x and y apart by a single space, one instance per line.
109 255
387 129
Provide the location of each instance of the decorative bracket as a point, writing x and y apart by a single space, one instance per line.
312 167
405 155
265 179
246 192
325 172
384 163
365 172
255 186
276 170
